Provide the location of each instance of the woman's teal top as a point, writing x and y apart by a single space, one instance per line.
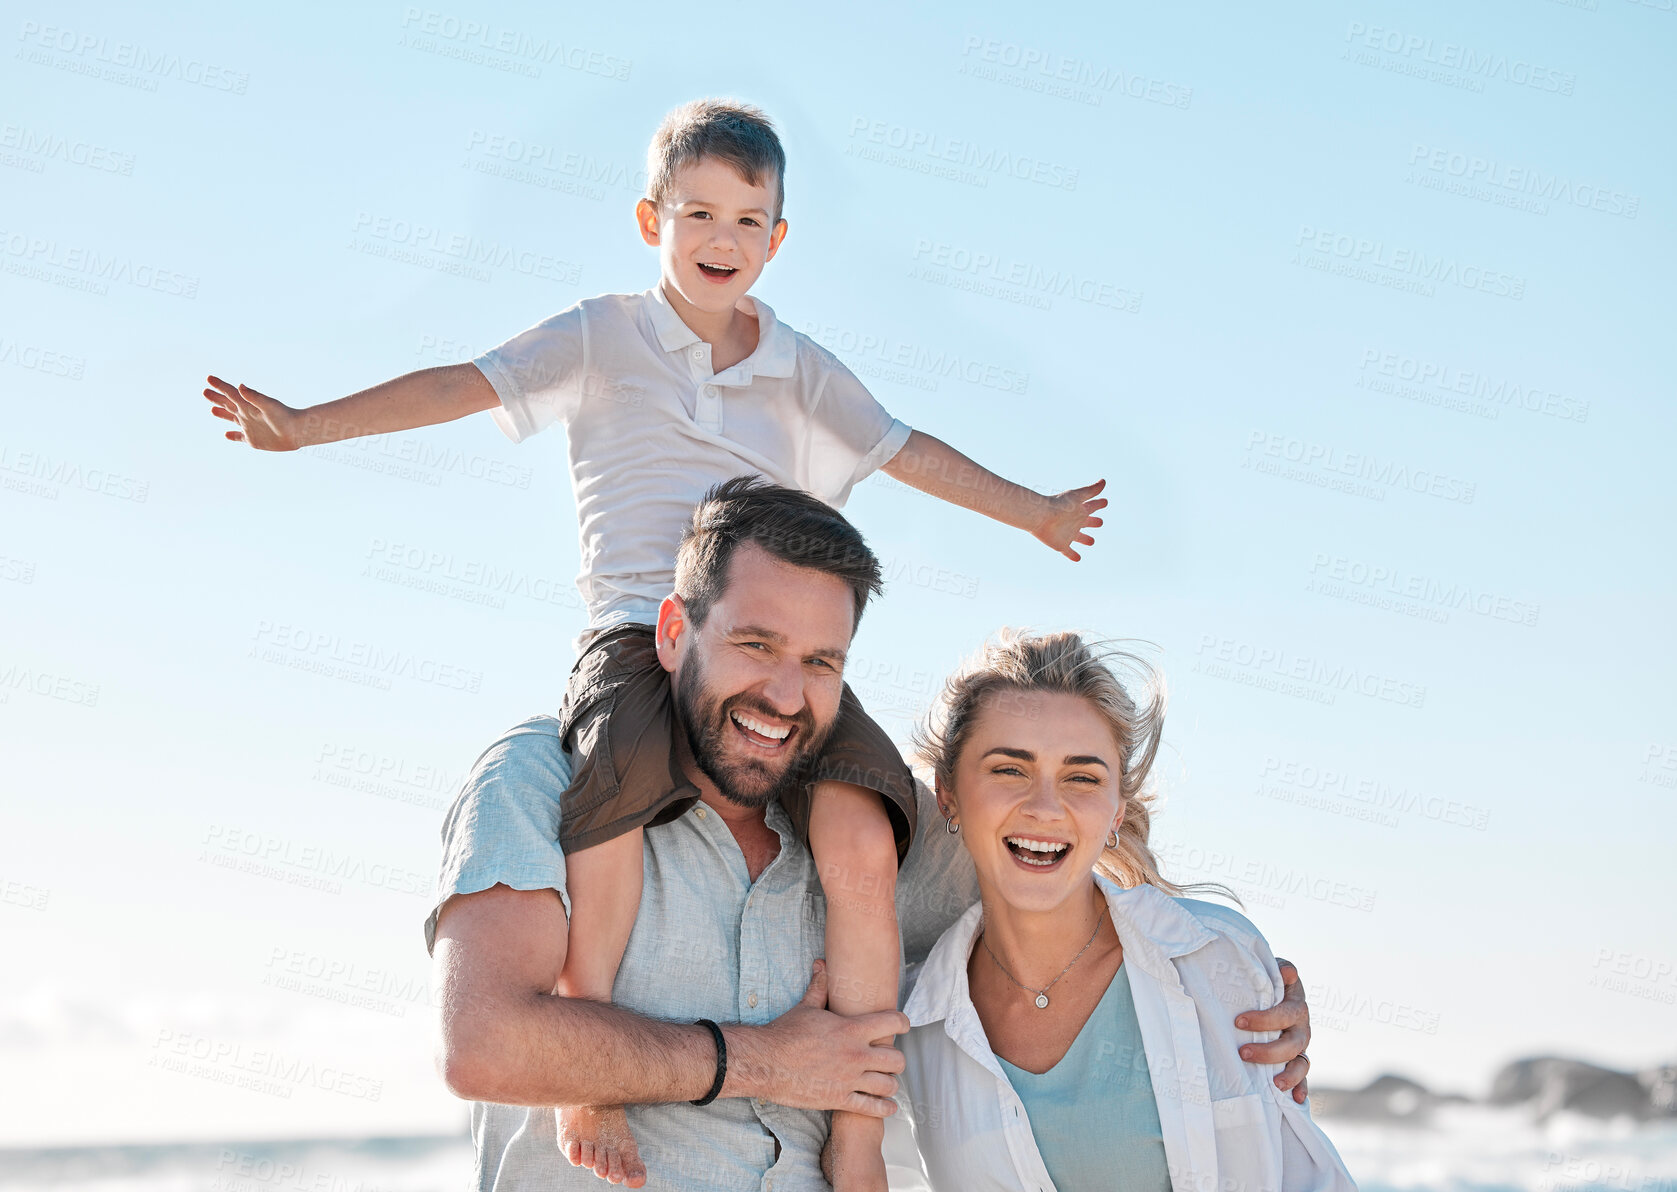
1093 1113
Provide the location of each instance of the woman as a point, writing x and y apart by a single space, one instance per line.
1075 1029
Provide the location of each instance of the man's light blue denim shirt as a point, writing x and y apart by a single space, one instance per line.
708 943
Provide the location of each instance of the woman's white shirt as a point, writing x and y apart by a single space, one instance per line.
1192 967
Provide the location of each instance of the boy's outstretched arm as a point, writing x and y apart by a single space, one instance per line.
422 398
933 466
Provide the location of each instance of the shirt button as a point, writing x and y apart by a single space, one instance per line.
710 390
698 353
700 813
751 1000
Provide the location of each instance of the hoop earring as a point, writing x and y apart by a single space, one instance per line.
1112 840
950 826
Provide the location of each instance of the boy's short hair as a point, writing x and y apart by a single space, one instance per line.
790 525
738 133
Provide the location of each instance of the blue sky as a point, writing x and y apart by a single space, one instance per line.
1357 307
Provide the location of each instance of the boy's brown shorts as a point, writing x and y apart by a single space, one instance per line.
618 722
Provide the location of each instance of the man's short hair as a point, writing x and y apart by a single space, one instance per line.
790 525
738 133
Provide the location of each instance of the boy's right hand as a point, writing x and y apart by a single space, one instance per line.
264 423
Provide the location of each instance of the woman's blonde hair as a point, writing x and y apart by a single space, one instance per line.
1018 662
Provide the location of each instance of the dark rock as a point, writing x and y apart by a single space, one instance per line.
1390 1099
1550 1084
1547 1084
1661 1085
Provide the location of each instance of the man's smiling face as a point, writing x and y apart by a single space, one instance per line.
758 684
714 231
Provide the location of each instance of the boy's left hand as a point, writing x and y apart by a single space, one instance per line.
1068 516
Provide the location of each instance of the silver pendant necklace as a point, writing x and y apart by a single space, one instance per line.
1042 994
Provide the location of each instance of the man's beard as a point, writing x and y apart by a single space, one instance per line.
705 719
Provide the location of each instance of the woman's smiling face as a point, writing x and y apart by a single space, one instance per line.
1035 791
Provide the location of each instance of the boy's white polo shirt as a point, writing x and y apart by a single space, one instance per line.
651 428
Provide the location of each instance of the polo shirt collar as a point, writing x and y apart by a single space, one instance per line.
1155 928
777 346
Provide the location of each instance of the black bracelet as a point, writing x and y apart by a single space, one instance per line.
721 1062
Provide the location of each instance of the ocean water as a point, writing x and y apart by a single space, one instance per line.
1466 1148
433 1164
1479 1148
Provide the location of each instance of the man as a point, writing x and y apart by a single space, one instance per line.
769 585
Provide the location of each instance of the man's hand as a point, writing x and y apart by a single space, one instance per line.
1069 515
1291 1016
810 1058
264 423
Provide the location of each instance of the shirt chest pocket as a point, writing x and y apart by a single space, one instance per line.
814 923
1247 1143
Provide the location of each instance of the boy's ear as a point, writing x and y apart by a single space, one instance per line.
775 237
672 631
646 219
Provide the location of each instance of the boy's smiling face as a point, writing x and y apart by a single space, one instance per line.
714 233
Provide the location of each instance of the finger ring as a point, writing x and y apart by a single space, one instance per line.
1303 1057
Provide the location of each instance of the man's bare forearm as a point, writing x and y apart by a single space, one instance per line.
533 1048
422 398
507 1038
937 469
552 1050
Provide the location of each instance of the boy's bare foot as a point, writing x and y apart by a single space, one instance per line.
598 1137
853 1159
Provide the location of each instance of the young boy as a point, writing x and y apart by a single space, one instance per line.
663 394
